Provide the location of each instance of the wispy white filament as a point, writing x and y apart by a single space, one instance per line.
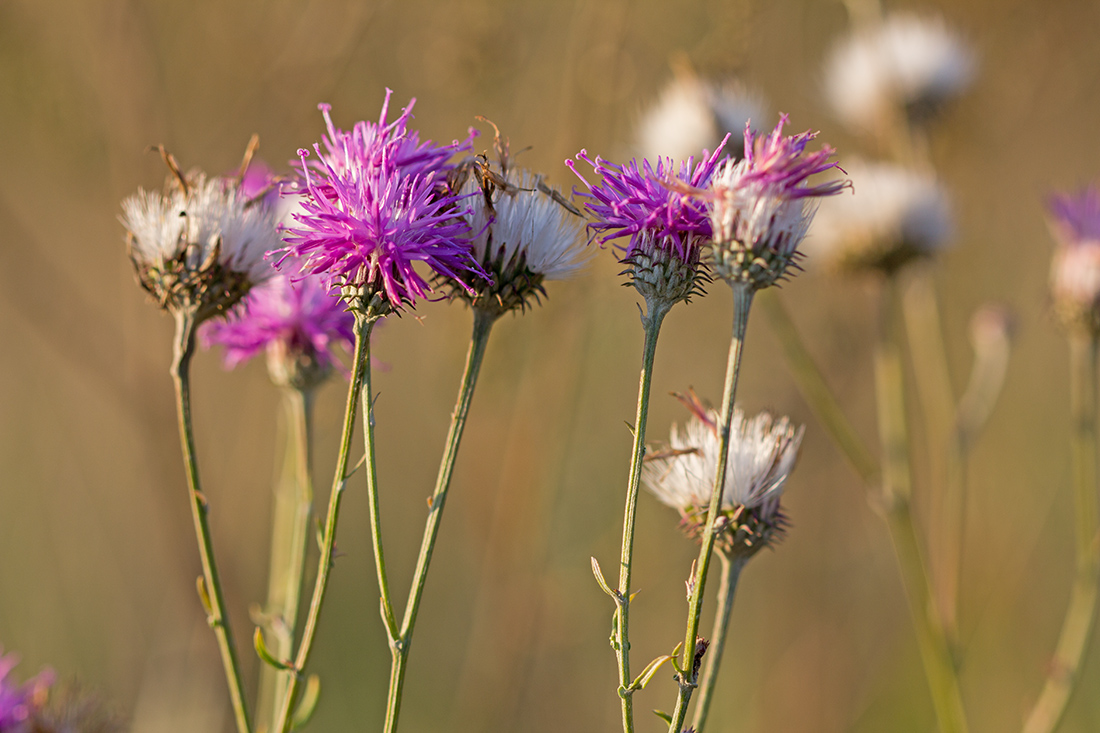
762 454
210 214
528 222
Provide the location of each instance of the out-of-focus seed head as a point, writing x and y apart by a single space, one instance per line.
691 114
892 216
904 65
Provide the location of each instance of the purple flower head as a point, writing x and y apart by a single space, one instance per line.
781 161
642 203
666 226
19 702
762 206
367 143
1075 270
1075 218
297 320
375 206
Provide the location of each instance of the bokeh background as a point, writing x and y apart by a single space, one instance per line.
97 557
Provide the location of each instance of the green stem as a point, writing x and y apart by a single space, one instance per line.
402 642
1081 613
731 571
651 323
359 368
289 541
211 589
939 667
946 457
816 392
687 679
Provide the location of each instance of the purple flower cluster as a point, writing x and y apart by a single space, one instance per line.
646 203
288 315
376 205
19 702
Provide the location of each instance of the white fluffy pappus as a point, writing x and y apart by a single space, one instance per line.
527 222
209 214
906 62
892 215
762 454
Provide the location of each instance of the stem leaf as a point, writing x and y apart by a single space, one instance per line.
646 675
266 655
599 579
309 702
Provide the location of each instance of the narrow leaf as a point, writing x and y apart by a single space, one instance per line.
267 656
308 704
599 579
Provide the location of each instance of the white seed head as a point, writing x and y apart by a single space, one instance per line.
906 63
210 214
691 115
762 454
893 214
200 245
528 223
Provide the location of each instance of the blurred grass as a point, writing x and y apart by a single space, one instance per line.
99 563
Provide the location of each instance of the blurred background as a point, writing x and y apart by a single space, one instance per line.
97 555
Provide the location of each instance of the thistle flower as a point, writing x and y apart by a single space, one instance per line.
762 206
1075 270
894 215
524 233
199 245
375 205
691 114
666 228
904 65
297 320
18 703
762 454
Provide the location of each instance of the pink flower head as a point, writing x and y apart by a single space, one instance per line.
644 203
364 144
761 206
376 204
19 702
1075 218
299 317
1075 270
780 161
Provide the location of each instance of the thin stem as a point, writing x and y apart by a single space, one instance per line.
731 572
816 391
289 541
217 616
946 456
1081 613
939 667
359 367
400 645
687 679
651 323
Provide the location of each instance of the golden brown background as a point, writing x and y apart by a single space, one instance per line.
97 558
